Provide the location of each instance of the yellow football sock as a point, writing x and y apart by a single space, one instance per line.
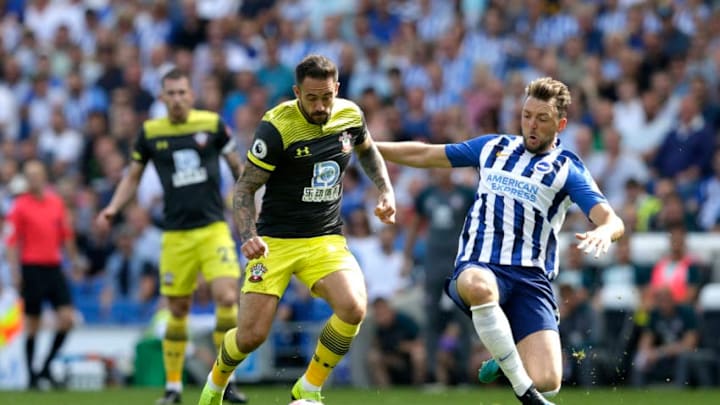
333 344
225 319
229 356
173 347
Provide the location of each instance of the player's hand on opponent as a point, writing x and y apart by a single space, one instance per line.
598 240
385 208
255 248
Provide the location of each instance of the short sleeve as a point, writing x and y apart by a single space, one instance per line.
581 187
141 150
467 153
267 147
360 133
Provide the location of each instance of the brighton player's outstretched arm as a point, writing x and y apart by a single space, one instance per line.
608 228
415 154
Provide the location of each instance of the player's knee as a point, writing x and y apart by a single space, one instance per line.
179 308
477 287
227 299
66 320
250 339
548 384
353 313
480 292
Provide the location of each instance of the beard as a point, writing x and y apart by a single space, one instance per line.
539 146
319 118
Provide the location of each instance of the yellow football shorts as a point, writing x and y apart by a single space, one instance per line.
209 249
309 259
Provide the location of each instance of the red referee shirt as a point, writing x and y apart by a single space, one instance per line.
39 227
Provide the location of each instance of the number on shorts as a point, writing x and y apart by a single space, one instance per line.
224 253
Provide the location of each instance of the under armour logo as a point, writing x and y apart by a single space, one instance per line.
302 152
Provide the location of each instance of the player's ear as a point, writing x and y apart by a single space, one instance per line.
296 90
562 124
337 87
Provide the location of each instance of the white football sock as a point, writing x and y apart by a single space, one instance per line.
174 386
307 386
493 328
212 385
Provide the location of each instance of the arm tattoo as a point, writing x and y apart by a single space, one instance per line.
374 167
244 200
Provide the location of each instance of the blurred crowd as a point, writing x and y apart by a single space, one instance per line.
77 79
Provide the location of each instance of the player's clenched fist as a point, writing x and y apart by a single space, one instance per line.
385 208
255 248
105 218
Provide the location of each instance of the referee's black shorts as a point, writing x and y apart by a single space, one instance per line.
42 283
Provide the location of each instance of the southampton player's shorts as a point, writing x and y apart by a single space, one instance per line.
526 297
209 249
310 259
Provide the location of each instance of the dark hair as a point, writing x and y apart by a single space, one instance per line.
548 89
173 74
316 67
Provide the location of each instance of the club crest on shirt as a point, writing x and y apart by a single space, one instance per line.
201 138
543 167
256 273
346 141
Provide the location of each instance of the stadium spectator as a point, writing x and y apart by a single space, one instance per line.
614 166
492 243
674 211
97 245
581 272
666 344
709 210
678 271
577 331
691 144
382 266
60 146
450 355
130 279
623 272
194 219
40 230
9 114
440 211
642 205
398 353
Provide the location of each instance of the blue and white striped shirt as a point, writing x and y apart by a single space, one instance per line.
521 201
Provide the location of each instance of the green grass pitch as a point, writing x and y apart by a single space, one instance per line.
271 395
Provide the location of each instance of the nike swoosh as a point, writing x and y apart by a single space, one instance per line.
503 358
